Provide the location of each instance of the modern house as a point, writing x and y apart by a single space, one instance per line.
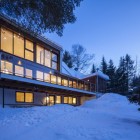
32 72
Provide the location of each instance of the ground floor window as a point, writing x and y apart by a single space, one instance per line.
58 100
70 100
26 97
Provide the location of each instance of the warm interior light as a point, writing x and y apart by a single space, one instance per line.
19 62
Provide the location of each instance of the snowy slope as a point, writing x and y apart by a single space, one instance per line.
110 117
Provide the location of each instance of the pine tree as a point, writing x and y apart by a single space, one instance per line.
93 70
111 69
67 59
125 74
103 65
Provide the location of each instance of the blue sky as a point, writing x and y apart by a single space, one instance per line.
104 27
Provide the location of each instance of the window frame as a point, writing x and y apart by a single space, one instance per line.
24 96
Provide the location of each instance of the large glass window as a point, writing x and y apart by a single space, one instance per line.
40 55
29 50
64 82
65 100
28 73
6 40
74 100
54 61
39 75
28 97
19 96
74 84
18 45
19 70
58 99
70 100
47 58
46 77
6 67
70 83
53 79
59 80
24 97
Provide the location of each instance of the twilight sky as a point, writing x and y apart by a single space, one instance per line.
104 27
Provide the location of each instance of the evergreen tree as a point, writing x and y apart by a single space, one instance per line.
103 65
124 74
93 70
67 59
111 69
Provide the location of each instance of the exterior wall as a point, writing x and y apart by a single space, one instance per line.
86 98
10 98
39 99
102 84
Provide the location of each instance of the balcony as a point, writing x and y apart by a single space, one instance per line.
16 68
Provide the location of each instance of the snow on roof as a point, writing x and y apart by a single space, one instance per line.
77 74
98 73
71 72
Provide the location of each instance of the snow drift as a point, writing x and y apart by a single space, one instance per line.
110 117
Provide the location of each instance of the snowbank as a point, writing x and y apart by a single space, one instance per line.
110 117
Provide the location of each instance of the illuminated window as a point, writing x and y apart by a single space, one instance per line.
28 97
53 79
46 77
70 83
65 100
40 55
39 75
29 50
58 99
6 67
19 70
6 40
74 100
29 45
64 82
18 45
47 58
28 73
59 80
70 100
86 86
74 84
51 100
19 96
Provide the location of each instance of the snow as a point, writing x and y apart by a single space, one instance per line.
110 117
71 72
98 73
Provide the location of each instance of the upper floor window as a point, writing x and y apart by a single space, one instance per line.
18 45
6 40
54 61
46 57
29 50
40 55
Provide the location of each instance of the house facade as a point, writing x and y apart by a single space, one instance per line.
31 71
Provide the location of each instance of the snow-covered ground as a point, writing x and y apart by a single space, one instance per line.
110 117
